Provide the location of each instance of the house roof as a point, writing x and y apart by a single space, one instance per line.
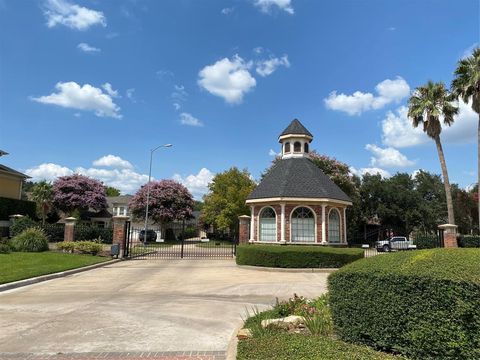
10 171
297 178
296 128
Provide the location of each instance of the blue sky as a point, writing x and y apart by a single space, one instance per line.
90 86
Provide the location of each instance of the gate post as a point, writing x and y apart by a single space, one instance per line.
119 234
449 235
244 229
69 232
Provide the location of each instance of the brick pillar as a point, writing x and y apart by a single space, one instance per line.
69 234
119 232
244 230
449 235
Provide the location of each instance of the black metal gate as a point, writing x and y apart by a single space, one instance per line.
177 241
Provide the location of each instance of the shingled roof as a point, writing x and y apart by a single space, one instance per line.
297 178
296 128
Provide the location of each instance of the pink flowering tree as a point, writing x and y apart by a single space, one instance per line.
77 192
169 201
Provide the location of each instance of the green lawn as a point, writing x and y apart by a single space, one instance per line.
284 346
21 265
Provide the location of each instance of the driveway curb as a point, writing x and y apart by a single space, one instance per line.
271 269
41 278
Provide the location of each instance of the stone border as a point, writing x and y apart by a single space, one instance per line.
133 355
292 270
41 278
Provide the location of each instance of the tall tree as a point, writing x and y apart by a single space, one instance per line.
111 191
466 86
75 193
225 201
42 194
168 201
427 105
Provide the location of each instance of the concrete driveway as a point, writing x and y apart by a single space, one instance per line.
140 305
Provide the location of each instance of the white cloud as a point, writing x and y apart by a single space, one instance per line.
87 48
229 79
161 74
266 6
47 171
196 184
267 67
109 90
113 161
227 11
129 94
87 97
469 51
177 106
258 50
387 157
398 132
371 170
179 93
72 15
188 119
272 153
388 91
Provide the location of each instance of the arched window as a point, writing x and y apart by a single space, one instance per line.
297 147
287 147
305 147
303 225
268 225
333 227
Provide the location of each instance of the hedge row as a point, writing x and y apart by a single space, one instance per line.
85 232
12 207
469 241
424 304
296 256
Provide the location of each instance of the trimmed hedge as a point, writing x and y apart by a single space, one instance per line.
86 232
426 242
469 241
296 256
424 304
13 206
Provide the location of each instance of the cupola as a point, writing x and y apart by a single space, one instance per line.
295 140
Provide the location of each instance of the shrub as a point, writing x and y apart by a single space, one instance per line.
66 246
469 241
30 240
21 224
86 232
426 242
88 247
13 206
5 246
54 232
296 256
423 304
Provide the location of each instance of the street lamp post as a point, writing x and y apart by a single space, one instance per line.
148 190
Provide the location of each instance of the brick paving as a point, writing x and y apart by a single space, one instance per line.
165 355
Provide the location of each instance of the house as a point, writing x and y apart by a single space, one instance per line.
11 181
296 202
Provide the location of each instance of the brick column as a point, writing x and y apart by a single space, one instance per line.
244 230
324 228
69 233
449 235
119 232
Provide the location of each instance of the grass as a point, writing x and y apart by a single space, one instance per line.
18 266
284 346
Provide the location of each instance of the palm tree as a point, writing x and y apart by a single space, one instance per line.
42 194
466 86
427 105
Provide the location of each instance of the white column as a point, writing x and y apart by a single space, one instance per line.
282 226
252 223
324 230
344 225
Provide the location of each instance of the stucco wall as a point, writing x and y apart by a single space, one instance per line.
10 188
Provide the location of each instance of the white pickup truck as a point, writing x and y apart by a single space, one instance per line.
395 243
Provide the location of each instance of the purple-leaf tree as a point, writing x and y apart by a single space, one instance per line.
77 192
169 201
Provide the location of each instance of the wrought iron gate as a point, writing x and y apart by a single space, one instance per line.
177 241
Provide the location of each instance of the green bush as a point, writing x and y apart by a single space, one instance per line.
5 246
424 304
21 224
54 232
86 232
469 241
13 206
30 240
88 247
296 256
426 242
66 246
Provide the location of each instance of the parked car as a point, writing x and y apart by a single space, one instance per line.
395 243
151 235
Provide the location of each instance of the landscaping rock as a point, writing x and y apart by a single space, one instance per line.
244 334
286 323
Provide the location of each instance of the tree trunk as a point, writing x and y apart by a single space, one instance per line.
448 192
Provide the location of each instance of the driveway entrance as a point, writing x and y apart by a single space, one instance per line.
143 306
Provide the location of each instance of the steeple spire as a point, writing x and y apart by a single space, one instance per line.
295 140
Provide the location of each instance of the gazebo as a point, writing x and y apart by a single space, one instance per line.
296 202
